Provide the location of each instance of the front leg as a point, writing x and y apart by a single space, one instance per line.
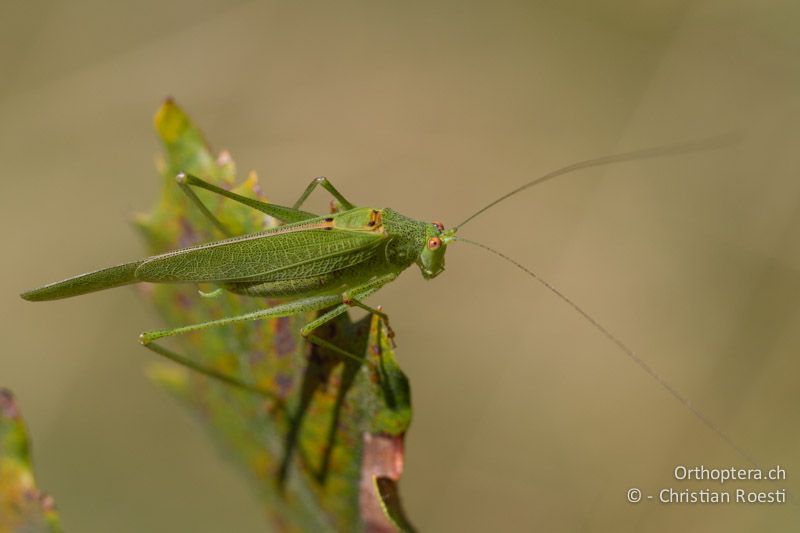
351 298
375 311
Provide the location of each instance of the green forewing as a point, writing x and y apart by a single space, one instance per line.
98 280
287 252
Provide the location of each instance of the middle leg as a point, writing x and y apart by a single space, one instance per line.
328 186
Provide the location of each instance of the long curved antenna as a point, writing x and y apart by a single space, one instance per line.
647 153
627 351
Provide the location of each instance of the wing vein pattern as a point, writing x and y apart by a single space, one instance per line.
288 252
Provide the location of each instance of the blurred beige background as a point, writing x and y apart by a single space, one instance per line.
525 417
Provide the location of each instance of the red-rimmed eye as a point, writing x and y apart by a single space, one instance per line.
434 243
439 226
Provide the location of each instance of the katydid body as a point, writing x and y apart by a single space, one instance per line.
319 256
330 263
312 262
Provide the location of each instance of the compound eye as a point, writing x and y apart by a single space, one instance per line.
434 243
439 226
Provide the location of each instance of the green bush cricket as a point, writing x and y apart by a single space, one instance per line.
327 263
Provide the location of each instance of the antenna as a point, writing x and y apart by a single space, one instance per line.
712 143
627 351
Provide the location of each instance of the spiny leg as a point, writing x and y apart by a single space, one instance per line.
354 296
375 311
230 380
308 304
307 334
284 214
314 303
233 381
349 299
328 186
182 180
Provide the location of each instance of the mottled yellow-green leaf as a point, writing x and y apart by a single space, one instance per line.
23 507
303 444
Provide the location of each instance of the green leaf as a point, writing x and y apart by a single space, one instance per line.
306 447
23 507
